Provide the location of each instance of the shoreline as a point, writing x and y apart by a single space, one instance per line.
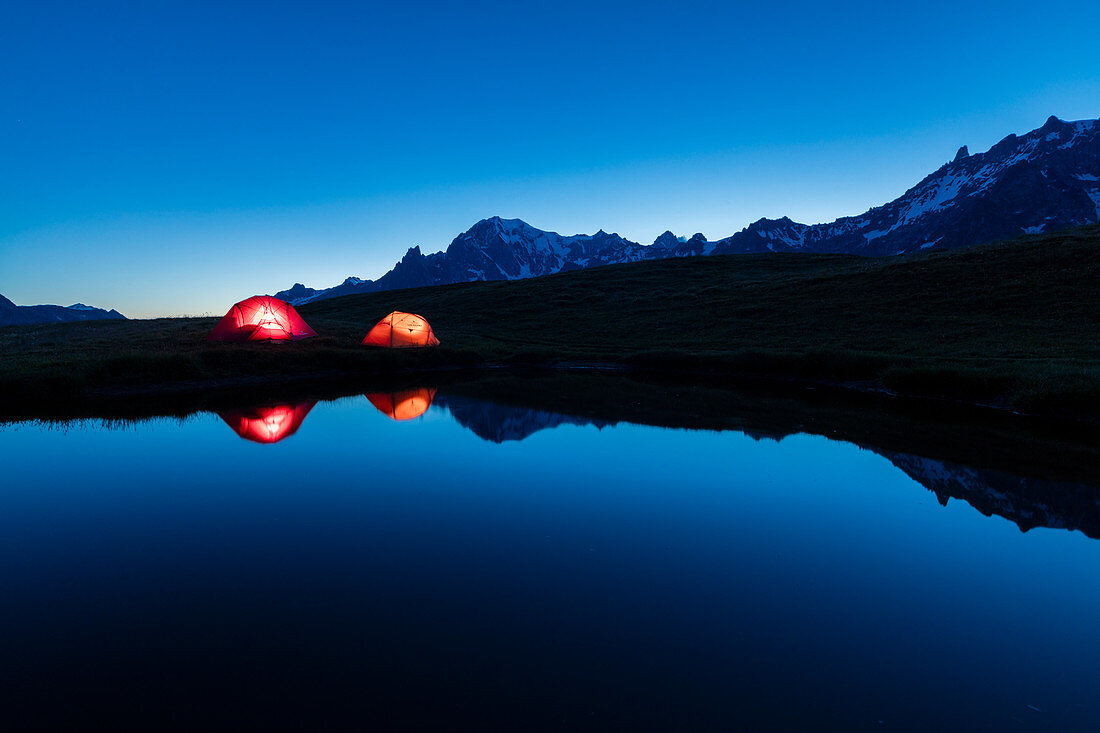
21 399
1009 327
1036 446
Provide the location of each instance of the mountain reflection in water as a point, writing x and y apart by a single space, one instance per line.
702 562
498 423
1027 502
267 423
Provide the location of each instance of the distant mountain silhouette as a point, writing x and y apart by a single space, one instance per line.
1043 181
16 315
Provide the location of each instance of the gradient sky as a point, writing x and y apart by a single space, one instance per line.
168 160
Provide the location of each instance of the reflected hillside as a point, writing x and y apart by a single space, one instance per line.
267 423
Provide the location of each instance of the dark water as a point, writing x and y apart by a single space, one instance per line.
472 567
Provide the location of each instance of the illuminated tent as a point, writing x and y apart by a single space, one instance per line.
401 330
268 423
261 318
403 405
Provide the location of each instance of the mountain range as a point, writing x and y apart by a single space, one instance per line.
1045 180
17 315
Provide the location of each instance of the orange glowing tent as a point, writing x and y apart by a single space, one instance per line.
261 318
403 405
401 330
268 423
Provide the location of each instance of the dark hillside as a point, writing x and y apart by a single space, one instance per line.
1010 323
1022 317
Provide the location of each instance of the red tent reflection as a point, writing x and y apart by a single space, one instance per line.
267 423
405 404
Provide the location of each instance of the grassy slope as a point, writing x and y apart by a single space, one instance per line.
1016 322
1021 319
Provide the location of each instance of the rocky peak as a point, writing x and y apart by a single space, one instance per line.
297 294
668 239
1004 145
962 154
1053 124
765 224
496 227
484 229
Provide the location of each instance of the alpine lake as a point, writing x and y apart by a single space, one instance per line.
539 553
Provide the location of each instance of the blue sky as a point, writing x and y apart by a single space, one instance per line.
171 159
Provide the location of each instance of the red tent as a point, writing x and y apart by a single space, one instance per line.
401 330
403 405
261 318
268 423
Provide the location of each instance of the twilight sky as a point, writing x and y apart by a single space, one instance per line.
169 160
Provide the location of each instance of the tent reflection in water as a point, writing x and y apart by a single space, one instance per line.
267 423
403 405
261 318
401 331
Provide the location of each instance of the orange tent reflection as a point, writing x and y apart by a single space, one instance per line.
403 405
267 423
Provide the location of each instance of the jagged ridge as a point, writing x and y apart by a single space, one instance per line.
1046 180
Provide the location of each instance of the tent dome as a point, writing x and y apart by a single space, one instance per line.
403 405
401 330
261 318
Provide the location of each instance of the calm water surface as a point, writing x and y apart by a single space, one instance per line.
338 568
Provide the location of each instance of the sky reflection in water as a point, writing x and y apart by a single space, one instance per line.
411 572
